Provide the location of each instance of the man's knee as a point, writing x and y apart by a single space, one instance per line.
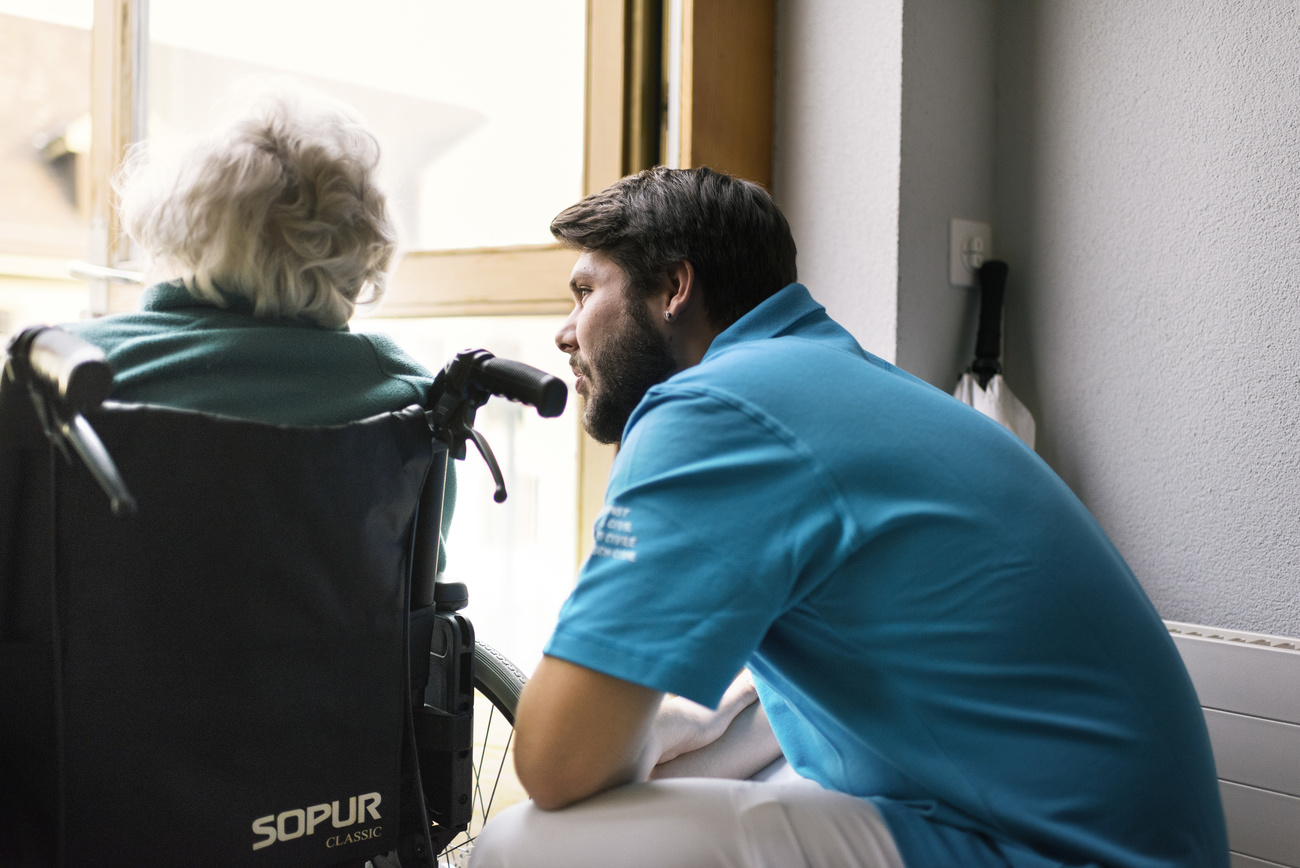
501 837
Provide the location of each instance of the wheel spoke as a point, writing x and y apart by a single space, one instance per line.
497 780
482 758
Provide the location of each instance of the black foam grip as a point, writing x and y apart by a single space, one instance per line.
73 370
524 383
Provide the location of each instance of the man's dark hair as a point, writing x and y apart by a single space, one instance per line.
729 229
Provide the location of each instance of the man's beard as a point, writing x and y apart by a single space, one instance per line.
624 366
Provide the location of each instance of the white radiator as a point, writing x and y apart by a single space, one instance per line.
1249 688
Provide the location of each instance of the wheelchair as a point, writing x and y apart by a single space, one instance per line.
225 642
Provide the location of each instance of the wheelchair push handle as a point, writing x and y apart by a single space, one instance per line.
75 373
468 381
473 376
65 376
524 383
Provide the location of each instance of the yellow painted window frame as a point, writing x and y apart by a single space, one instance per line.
727 91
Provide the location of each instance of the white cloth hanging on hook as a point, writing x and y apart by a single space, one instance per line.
998 403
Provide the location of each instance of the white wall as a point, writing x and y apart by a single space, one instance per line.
1148 177
885 122
837 156
1141 166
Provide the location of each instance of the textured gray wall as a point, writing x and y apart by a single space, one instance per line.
837 156
1148 200
1145 178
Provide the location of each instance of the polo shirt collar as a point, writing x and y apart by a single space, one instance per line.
773 316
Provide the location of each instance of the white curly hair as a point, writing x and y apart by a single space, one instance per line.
280 206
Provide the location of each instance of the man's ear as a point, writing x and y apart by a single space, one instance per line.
681 293
683 318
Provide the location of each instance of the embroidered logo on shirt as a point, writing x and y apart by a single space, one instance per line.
614 536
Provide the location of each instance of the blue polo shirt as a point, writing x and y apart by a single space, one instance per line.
934 620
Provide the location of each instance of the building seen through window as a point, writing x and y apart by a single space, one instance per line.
44 160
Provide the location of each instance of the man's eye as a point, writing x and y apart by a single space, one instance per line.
582 292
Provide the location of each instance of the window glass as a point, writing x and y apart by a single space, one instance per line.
516 558
44 150
479 106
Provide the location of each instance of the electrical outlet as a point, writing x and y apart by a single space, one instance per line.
969 244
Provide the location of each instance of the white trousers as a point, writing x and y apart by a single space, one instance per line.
782 822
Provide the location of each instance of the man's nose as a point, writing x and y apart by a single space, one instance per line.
567 337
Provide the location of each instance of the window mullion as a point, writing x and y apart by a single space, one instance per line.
119 48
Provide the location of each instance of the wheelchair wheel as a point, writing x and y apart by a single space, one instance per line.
497 679
497 683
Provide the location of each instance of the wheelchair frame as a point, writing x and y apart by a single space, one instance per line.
65 377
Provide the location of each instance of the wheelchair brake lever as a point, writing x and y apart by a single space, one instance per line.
452 418
76 432
486 451
455 432
86 443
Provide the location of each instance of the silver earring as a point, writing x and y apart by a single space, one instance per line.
668 315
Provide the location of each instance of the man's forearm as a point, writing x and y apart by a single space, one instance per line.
578 732
745 748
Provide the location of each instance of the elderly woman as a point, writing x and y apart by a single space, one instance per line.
274 228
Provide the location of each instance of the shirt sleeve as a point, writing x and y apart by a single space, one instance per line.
716 521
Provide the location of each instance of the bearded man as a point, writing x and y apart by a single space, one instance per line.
943 661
